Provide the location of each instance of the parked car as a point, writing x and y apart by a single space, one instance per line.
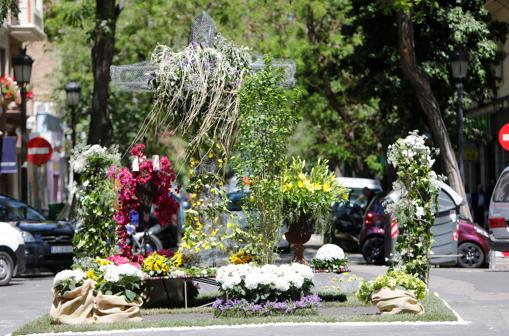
47 243
445 244
473 246
235 201
498 215
347 216
12 253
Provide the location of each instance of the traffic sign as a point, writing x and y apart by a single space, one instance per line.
39 151
503 137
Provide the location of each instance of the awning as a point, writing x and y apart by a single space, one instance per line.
8 157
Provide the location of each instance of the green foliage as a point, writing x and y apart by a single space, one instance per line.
8 7
95 196
330 265
392 280
128 286
265 124
438 31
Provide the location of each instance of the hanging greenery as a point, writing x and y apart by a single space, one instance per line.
196 91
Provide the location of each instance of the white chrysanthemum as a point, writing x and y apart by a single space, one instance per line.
128 269
329 252
305 271
111 273
78 275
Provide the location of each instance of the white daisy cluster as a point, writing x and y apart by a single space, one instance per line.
330 252
82 154
113 273
76 275
251 277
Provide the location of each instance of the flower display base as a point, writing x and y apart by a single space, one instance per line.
114 308
340 270
75 306
165 292
394 301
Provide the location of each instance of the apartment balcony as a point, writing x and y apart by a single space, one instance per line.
30 23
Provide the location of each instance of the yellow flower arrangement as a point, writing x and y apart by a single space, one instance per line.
311 193
241 257
176 260
91 275
103 262
156 265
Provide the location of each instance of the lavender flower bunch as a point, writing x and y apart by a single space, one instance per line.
244 308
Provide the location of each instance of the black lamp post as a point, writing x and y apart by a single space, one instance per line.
22 64
459 65
73 92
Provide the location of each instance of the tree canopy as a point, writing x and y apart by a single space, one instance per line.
354 100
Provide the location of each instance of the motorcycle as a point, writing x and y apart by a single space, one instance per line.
346 226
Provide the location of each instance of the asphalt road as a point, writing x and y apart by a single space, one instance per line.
480 296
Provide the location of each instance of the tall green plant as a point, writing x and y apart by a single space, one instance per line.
417 186
266 121
95 196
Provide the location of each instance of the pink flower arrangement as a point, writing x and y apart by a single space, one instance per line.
118 260
131 183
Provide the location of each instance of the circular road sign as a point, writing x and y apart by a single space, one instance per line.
503 137
38 151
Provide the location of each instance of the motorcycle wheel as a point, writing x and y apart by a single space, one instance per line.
373 250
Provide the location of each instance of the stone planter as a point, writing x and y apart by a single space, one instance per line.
394 301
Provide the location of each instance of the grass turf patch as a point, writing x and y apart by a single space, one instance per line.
435 310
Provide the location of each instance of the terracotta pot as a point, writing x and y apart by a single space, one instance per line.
299 232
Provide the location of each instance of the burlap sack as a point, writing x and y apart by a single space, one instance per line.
395 301
74 307
113 308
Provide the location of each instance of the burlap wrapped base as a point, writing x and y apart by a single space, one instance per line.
113 308
80 306
395 301
75 306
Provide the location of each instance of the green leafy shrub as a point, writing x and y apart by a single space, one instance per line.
392 280
95 196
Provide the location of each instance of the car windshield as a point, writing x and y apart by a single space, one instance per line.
12 210
501 192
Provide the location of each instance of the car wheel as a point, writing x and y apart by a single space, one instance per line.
471 255
6 268
373 250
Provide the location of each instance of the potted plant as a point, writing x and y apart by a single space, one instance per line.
307 200
394 292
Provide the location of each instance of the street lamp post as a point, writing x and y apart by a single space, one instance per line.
73 92
22 64
459 65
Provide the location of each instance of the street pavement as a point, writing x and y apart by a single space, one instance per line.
479 296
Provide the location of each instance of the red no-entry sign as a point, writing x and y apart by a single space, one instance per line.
503 137
38 151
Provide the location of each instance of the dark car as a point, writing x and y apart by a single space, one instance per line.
473 245
444 250
48 243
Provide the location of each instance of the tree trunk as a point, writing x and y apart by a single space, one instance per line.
106 14
421 85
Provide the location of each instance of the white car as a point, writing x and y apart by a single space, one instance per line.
498 216
356 184
12 252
